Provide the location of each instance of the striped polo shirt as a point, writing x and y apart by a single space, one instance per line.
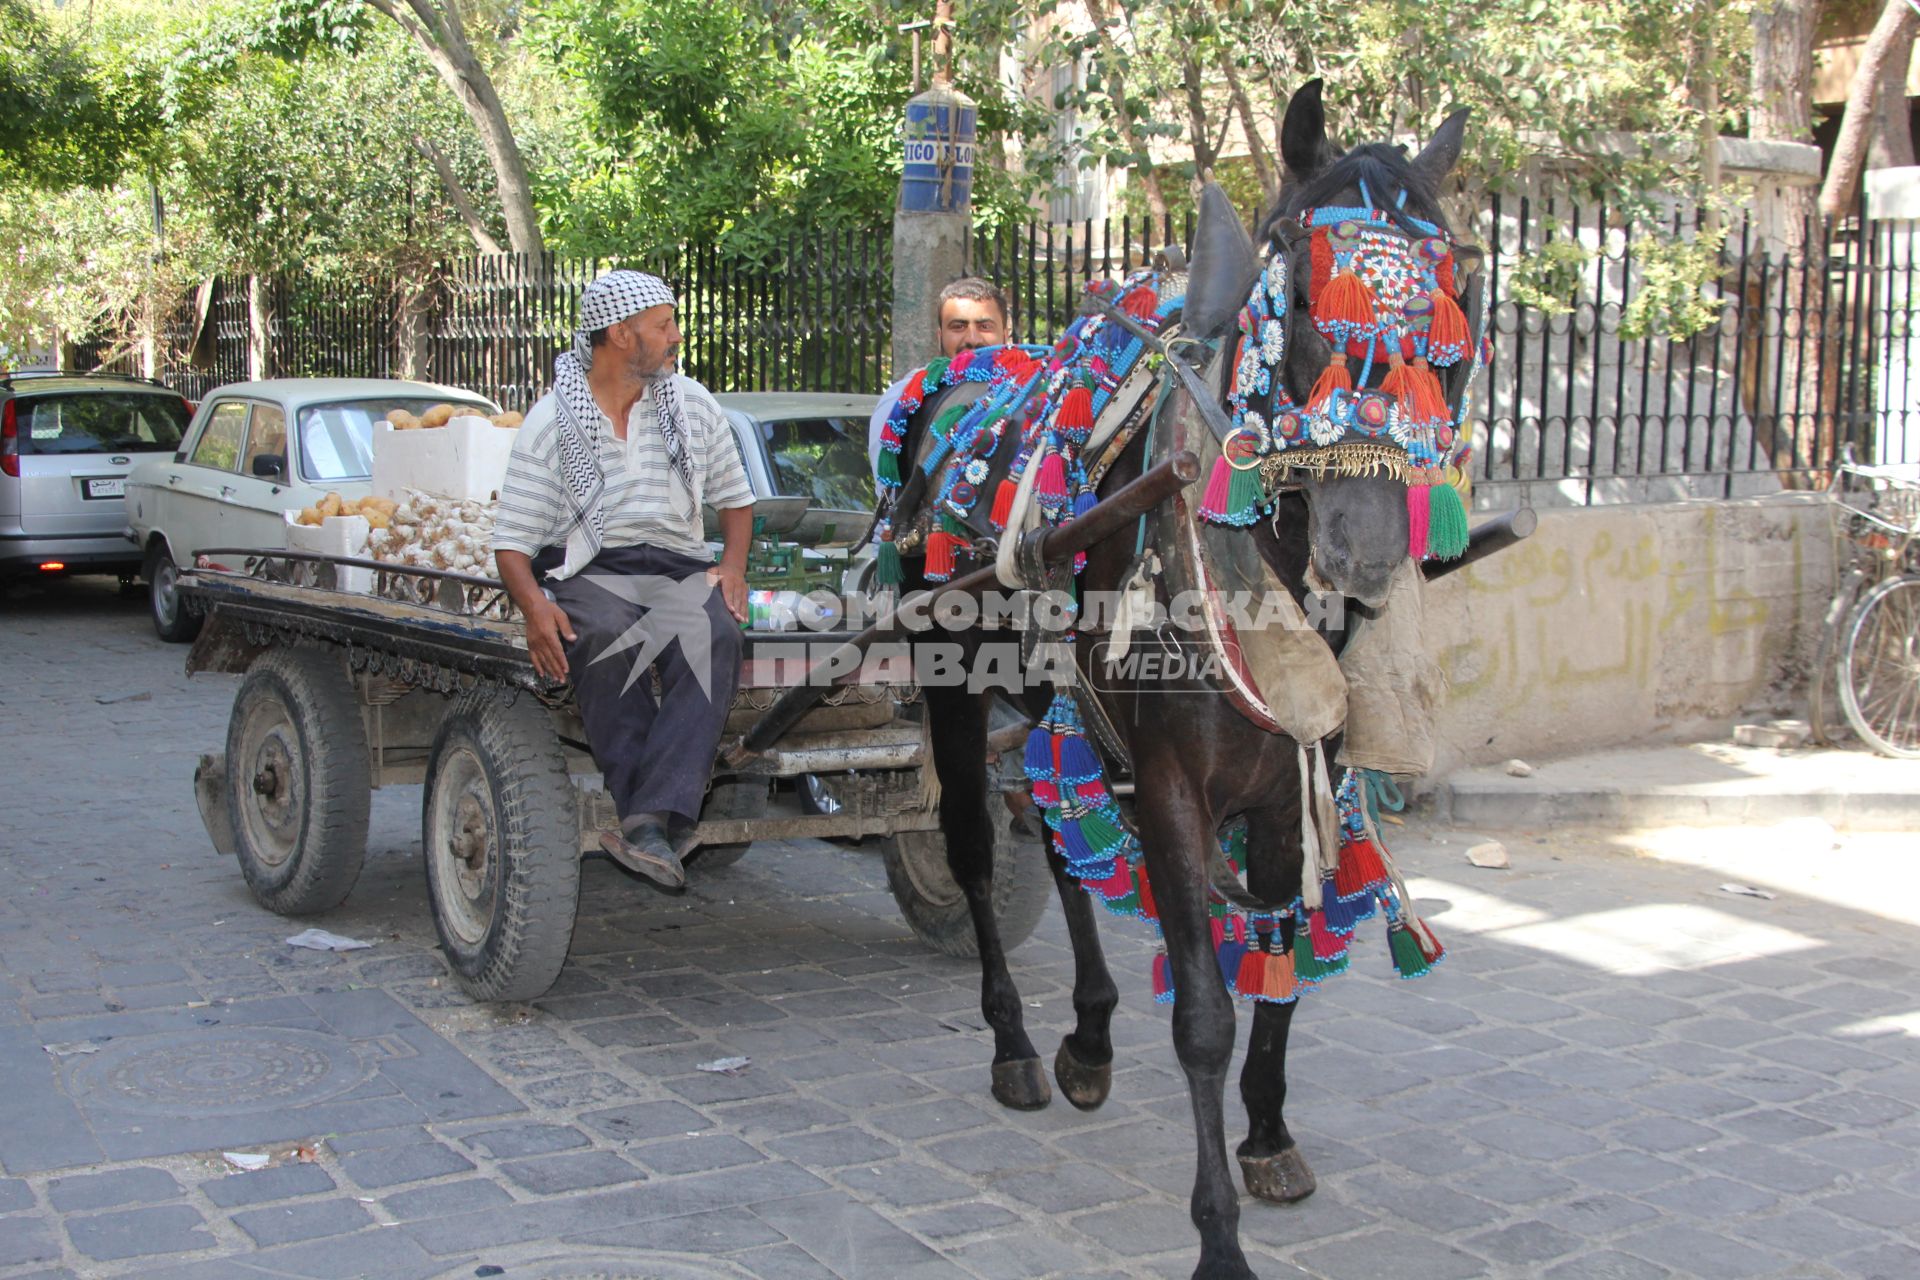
638 501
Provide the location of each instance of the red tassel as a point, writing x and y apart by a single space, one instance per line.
1327 945
1443 272
1447 330
1345 301
1214 501
1429 402
1322 261
1052 480
1117 885
1076 411
1003 503
1359 868
1395 383
940 555
1141 303
1162 978
1148 907
1277 981
960 363
1333 378
1251 979
1419 500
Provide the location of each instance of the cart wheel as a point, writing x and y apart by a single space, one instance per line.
501 834
297 780
743 798
931 900
172 620
1880 669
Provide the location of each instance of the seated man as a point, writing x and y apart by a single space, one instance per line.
602 501
969 313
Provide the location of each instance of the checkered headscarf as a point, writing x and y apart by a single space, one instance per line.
607 301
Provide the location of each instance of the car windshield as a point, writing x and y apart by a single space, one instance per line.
100 421
336 438
821 459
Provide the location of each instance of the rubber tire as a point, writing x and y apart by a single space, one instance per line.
743 798
1022 887
535 879
1879 601
162 575
311 688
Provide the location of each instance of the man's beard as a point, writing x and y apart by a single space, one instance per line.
665 367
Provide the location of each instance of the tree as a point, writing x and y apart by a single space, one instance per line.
1894 30
65 121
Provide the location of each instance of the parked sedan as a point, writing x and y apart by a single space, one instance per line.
254 451
67 442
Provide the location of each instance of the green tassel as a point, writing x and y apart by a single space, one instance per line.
944 423
1408 960
1308 967
1101 834
936 370
953 525
889 468
1127 904
1244 494
887 569
1446 522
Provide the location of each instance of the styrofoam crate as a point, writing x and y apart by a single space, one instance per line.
466 460
334 536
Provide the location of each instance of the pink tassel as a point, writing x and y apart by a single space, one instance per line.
1213 504
1418 499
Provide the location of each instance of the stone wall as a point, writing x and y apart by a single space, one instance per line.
1617 625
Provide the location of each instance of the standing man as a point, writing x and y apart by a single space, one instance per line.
601 506
971 313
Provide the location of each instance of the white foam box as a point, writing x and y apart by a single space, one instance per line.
465 460
334 536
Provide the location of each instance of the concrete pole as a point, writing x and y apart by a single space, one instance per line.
933 218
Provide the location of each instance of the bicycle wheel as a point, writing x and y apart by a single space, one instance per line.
1880 668
1822 712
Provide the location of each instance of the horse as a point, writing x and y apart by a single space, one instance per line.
1199 764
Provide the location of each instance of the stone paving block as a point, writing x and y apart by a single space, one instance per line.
967 1218
1775 1125
834 1148
1140 1230
1806 1233
25 1240
1608 1264
639 1121
1390 1253
1432 1205
1531 1138
377 1252
1627 1172
1878 1206
552 1175
1664 1133
850 1237
1592 1215
1882 1262
777 1116
139 1233
1709 1254
281 1182
525 1140
696 1154
927 1119
1858 1109
785 1262
15 1195
445 1199
110 1190
387 1166
1524 1244
1771 1167
901 1183
141 975
718 1232
1020 1256
308 1220
1711 1199
653 1029
1515 1185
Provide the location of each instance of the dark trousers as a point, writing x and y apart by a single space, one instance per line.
628 614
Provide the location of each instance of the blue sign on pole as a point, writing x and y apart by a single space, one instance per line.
941 127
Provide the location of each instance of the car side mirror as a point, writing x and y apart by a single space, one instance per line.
270 466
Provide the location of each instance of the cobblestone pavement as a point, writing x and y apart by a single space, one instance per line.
1622 1070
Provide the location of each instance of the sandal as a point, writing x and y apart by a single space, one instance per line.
659 863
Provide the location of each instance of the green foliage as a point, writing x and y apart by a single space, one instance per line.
1671 299
65 119
1548 278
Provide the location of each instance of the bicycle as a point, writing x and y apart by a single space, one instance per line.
1869 654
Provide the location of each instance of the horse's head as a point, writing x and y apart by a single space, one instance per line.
1356 493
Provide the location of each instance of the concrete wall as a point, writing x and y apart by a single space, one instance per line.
1617 625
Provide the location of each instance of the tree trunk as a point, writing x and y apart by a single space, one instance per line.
1123 114
1782 92
1894 29
457 196
1892 144
1263 166
259 328
439 34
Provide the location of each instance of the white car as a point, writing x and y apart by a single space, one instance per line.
254 451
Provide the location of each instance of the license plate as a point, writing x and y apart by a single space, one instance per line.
114 488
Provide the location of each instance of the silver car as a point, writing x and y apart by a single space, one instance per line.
67 443
254 451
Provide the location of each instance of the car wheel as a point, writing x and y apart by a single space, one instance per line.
173 622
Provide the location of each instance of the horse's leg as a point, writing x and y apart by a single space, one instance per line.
1176 830
959 723
1270 1161
1084 1065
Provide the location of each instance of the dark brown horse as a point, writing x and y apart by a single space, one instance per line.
1197 763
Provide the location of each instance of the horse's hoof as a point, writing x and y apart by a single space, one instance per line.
1021 1084
1086 1087
1283 1177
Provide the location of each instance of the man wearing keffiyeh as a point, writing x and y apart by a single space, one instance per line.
599 540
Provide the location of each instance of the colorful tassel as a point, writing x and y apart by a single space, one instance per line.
1092 793
1073 844
1395 384
1213 504
888 468
1148 907
1359 870
1308 964
1077 759
1277 973
941 549
1424 396
1039 755
1050 486
1162 979
1334 377
1250 979
1116 886
1076 411
1003 503
1419 519
1045 791
1102 833
1083 502
1409 961
1446 522
1345 307
887 569
1448 340
1141 303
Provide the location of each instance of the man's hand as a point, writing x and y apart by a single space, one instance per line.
732 581
547 627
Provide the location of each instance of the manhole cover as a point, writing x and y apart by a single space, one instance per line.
218 1073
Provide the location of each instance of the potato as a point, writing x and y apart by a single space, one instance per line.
329 505
375 519
308 515
401 420
506 419
438 416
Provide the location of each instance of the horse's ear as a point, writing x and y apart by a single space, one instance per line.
1303 133
1223 268
1442 152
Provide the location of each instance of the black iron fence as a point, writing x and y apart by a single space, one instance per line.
1590 401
